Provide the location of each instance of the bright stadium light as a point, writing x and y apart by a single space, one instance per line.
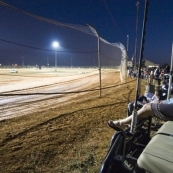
55 44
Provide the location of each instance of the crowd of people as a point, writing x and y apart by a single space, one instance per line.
154 74
155 104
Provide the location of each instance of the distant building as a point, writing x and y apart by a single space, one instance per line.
149 63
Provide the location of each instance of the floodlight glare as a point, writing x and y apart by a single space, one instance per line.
55 44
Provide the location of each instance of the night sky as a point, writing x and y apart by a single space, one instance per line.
113 20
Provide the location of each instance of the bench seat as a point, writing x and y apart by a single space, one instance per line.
166 128
157 157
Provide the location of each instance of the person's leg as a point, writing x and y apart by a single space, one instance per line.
144 112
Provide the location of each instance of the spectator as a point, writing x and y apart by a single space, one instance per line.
167 70
143 100
140 102
160 109
147 76
164 86
129 73
162 76
156 76
151 76
166 77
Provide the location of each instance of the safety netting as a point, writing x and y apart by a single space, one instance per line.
26 42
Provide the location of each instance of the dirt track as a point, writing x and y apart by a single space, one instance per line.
35 93
67 136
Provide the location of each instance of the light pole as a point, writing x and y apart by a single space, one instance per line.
55 45
48 62
127 42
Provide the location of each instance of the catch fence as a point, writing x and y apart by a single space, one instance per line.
26 43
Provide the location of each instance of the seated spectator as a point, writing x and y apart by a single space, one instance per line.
161 76
164 87
155 97
143 100
160 109
169 101
140 102
156 76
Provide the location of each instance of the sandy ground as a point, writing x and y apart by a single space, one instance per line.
56 131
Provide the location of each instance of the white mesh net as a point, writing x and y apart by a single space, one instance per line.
29 37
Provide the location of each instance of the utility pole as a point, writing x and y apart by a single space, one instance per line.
136 42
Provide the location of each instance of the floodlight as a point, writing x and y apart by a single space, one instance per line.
55 44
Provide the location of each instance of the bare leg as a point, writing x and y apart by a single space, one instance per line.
144 112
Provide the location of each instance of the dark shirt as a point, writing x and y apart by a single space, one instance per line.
166 70
142 98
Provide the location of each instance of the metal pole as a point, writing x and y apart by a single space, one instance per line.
136 42
99 61
134 116
99 64
170 76
55 60
127 42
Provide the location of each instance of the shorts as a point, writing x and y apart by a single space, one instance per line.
163 111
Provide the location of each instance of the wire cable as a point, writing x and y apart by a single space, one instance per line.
113 18
51 50
42 48
76 27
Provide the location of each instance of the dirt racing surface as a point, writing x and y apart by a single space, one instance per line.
71 135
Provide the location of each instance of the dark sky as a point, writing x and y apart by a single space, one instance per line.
113 20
